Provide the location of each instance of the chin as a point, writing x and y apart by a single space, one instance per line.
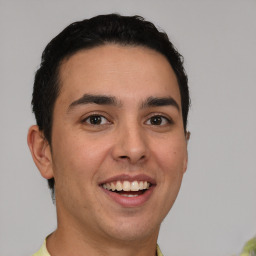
131 231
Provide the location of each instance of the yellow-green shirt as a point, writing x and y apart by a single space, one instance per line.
43 251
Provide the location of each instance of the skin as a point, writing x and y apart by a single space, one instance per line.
125 141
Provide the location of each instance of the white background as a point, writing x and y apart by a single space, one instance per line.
215 212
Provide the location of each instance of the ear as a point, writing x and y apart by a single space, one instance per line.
40 151
187 135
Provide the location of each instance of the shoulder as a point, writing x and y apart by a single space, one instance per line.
159 253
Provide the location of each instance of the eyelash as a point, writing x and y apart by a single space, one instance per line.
167 120
89 118
158 118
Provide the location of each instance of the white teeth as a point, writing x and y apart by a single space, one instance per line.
113 187
127 185
134 186
128 195
141 185
119 186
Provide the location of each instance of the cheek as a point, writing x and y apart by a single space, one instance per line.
171 155
79 155
170 158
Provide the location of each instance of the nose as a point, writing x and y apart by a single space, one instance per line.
131 145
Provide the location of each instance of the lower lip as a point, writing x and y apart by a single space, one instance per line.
130 201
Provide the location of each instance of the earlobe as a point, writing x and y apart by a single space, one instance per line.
187 136
185 164
40 151
186 158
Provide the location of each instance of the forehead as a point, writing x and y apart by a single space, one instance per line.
117 70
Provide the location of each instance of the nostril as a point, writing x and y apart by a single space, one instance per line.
132 159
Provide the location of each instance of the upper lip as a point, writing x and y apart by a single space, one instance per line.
127 177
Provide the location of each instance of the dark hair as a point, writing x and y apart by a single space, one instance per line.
89 33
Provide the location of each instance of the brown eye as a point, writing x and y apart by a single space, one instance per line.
158 120
96 120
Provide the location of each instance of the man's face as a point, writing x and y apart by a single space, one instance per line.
117 125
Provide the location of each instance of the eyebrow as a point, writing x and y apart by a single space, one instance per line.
112 101
159 102
94 99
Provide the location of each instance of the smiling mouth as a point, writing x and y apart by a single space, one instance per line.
127 188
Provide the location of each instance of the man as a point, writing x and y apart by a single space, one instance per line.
111 102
